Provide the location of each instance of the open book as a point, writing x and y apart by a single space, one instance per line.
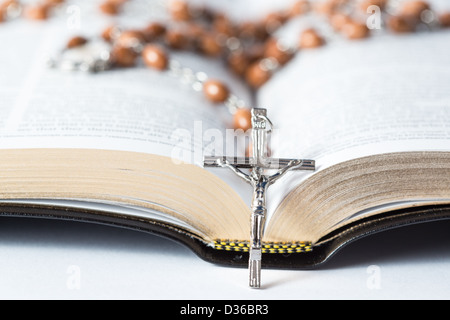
111 147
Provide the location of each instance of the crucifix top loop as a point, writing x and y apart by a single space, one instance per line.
260 160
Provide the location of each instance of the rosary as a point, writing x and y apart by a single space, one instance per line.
250 50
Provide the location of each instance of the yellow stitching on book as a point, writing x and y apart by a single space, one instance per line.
268 247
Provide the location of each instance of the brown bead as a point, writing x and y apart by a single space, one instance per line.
130 38
299 8
273 49
5 5
444 20
124 57
255 52
274 21
339 20
76 42
111 33
242 119
154 31
329 7
310 39
208 45
195 31
179 10
177 40
110 7
355 30
252 30
401 24
326 8
256 75
215 91
53 2
238 63
365 4
413 9
155 57
222 24
37 12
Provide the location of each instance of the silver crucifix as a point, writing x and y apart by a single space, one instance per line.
258 164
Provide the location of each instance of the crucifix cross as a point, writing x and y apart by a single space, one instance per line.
258 164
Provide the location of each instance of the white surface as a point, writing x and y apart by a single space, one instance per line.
68 260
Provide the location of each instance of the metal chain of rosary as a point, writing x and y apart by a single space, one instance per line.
249 49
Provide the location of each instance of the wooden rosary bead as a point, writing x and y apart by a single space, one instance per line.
5 6
326 8
179 10
339 20
130 38
252 31
365 4
76 41
238 63
6 3
256 75
242 119
53 2
299 8
355 30
195 30
154 31
155 57
204 13
255 52
109 34
123 56
176 40
37 12
401 24
444 19
310 39
273 49
222 24
208 45
274 21
414 9
215 91
110 7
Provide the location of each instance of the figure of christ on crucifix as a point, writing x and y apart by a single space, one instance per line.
258 164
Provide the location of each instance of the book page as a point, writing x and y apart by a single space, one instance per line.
386 94
350 99
129 109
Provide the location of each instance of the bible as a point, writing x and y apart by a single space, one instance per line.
126 147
